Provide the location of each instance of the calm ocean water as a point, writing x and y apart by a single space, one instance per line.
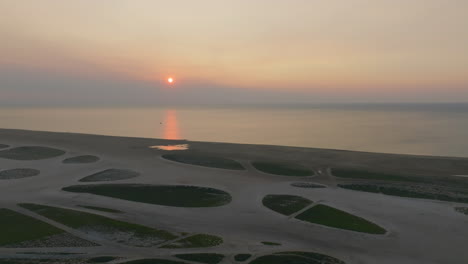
430 129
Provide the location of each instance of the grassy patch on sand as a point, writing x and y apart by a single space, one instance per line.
242 257
30 153
81 159
124 232
379 178
297 258
42 261
102 209
196 241
369 175
205 161
110 175
18 174
16 228
169 195
308 185
285 204
332 217
284 169
207 258
153 261
48 253
267 243
103 259
408 191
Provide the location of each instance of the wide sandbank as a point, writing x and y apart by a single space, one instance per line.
417 230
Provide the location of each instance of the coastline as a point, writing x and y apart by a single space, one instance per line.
446 164
244 222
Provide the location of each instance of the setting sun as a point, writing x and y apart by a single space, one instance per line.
170 80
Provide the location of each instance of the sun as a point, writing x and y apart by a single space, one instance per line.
170 80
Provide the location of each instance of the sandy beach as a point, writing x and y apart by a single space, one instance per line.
417 230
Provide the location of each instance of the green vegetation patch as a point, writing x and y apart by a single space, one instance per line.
118 231
169 195
284 169
285 204
205 161
308 185
48 253
111 175
30 153
208 258
196 241
369 175
103 259
102 209
16 228
296 258
463 210
267 243
18 174
19 261
81 159
42 261
242 257
332 217
433 193
153 261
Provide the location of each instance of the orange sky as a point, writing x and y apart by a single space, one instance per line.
357 46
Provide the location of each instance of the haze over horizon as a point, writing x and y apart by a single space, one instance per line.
120 52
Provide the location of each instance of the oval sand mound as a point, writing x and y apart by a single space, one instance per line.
169 195
18 174
110 175
81 159
205 161
283 169
31 153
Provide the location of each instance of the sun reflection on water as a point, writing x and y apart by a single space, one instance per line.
171 132
171 125
171 147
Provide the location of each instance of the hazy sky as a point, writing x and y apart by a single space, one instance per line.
86 52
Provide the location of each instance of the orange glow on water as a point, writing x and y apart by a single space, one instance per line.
171 147
171 125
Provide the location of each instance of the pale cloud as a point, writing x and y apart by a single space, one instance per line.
310 50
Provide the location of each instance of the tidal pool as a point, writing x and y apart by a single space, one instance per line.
171 147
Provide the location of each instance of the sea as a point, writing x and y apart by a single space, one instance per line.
422 129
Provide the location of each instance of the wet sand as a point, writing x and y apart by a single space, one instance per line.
419 231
